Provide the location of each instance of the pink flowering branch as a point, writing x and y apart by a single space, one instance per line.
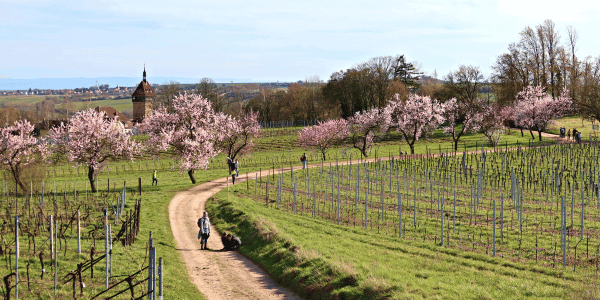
192 130
239 134
462 117
535 109
19 148
416 117
90 139
323 135
367 127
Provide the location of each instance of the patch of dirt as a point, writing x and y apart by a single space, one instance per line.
217 274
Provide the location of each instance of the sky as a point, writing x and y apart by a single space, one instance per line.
268 40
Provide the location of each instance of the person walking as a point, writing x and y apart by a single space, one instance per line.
569 134
229 165
204 233
154 179
236 166
303 160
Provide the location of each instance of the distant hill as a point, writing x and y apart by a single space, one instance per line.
71 83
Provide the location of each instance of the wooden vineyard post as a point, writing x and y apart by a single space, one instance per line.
78 233
16 257
140 185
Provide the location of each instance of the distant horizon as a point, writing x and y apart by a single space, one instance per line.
86 82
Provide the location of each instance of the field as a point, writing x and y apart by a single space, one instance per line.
313 235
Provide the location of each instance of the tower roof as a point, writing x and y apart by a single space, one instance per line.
144 89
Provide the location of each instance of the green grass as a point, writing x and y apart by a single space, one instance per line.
275 149
118 104
322 260
582 125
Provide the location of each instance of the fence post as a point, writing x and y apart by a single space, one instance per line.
160 278
78 232
150 265
55 254
16 257
106 255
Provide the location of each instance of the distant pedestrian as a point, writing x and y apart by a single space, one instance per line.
204 233
575 135
229 165
303 160
154 179
236 166
569 134
232 178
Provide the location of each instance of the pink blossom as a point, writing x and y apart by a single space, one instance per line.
239 134
369 126
90 139
323 135
192 131
19 148
416 117
535 109
462 117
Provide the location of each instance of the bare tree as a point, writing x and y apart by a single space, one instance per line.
465 83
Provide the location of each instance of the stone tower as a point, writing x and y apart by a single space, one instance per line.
142 99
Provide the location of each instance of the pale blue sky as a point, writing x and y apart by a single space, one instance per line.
267 40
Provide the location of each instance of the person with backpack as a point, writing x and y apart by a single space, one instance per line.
204 233
154 179
303 160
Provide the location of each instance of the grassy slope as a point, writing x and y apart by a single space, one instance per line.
156 200
316 258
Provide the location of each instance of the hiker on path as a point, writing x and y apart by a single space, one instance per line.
204 233
236 167
569 134
230 164
303 160
154 180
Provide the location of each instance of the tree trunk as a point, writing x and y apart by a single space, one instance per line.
412 148
540 135
91 178
522 135
323 152
455 145
191 174
532 136
16 172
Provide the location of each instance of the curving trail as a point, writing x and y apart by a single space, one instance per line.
218 274
227 275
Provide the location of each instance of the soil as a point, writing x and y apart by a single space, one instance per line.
217 274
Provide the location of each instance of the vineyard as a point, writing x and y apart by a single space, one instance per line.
538 205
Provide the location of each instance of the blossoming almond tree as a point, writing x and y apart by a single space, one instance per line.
192 130
239 134
369 126
535 109
462 117
415 117
91 139
19 148
323 135
492 122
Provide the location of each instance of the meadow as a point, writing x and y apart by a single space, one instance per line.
328 250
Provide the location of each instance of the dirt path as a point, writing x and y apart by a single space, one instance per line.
219 275
228 275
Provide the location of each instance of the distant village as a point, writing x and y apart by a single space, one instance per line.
125 92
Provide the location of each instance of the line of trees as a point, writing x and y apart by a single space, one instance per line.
420 115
